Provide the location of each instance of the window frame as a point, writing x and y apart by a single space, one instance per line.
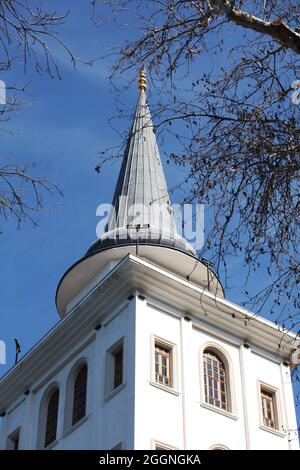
279 428
119 446
11 439
68 425
75 418
268 400
173 366
209 358
218 447
42 417
52 392
109 383
224 356
118 372
163 353
162 446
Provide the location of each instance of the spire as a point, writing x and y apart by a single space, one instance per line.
142 222
142 80
141 199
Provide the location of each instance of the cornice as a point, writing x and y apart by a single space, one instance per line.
129 275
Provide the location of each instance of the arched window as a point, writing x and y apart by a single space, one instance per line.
51 417
79 396
215 380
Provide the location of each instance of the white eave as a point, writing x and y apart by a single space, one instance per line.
133 274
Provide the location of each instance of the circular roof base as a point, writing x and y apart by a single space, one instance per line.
171 259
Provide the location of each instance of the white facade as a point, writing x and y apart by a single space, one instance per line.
138 302
116 308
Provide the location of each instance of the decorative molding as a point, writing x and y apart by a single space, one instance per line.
228 414
162 445
272 431
65 362
75 426
129 274
171 390
114 392
52 445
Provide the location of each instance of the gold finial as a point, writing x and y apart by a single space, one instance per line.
142 80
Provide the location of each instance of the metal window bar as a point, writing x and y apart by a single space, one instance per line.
268 412
51 419
79 401
162 365
215 381
118 370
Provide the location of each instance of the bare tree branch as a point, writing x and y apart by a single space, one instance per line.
225 73
277 29
21 194
28 36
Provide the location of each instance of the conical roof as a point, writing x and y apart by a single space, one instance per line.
141 222
141 204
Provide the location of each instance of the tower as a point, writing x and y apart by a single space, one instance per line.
148 353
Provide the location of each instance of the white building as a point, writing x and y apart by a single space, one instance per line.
148 353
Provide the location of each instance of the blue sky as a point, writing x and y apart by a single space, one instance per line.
61 128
